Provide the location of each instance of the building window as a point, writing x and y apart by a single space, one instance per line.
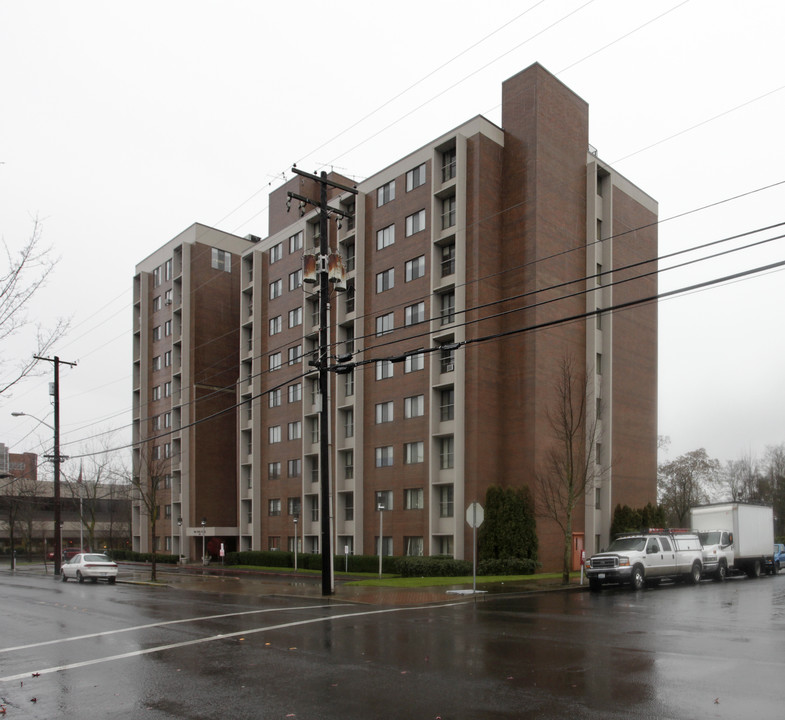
414 314
384 456
447 404
168 328
274 507
273 471
384 324
448 164
448 307
157 362
385 194
384 412
412 546
295 279
157 277
597 499
156 333
296 242
384 498
415 177
276 288
155 422
293 506
348 506
384 369
414 362
314 421
167 450
275 325
274 398
350 296
447 359
221 260
598 364
448 212
295 317
294 468
415 268
414 452
168 358
446 501
156 303
348 464
385 280
168 269
349 256
276 252
275 361
274 434
413 499
348 423
414 406
167 389
448 259
295 430
415 223
167 420
295 392
385 237
295 354
168 297
348 384
444 545
598 454
157 392
446 452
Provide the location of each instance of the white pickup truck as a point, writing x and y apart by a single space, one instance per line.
646 558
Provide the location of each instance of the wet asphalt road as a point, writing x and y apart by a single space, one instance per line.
128 651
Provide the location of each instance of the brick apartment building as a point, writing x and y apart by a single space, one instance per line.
483 232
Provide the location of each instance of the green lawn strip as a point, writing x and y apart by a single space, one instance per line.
423 582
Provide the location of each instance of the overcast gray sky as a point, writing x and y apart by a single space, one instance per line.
123 123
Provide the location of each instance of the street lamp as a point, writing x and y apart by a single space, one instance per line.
204 533
380 508
56 490
180 545
295 542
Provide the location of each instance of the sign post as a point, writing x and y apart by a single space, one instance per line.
474 517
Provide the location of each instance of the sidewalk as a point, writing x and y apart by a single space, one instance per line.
289 584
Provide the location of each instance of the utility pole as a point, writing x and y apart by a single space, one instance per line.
56 458
322 363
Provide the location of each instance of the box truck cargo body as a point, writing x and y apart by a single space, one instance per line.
735 537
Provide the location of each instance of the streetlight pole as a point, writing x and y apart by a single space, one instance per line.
180 542
380 507
204 533
295 543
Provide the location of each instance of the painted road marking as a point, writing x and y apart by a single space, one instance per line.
212 638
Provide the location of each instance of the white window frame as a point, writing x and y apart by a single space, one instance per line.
415 223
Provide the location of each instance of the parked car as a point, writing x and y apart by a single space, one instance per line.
778 559
89 566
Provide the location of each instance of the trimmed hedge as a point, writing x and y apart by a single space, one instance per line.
433 567
507 566
310 561
133 556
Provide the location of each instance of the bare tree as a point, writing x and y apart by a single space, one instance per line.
94 483
687 481
147 481
570 470
743 479
26 273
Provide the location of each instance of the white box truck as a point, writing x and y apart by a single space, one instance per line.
736 538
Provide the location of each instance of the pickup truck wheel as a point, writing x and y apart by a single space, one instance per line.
637 581
595 584
695 574
722 573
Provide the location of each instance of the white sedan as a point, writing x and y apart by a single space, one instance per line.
89 566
